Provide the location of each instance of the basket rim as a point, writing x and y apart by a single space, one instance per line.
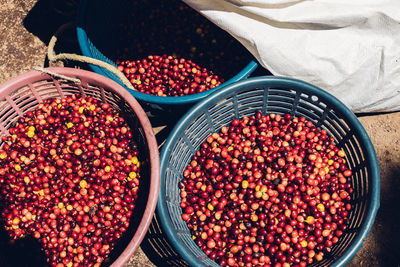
98 80
84 44
359 131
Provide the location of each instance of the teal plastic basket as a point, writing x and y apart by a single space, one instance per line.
270 95
96 36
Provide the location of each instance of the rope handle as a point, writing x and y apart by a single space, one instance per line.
57 75
53 57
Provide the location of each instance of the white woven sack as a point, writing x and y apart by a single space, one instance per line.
348 48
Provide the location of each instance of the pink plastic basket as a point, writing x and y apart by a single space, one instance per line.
26 91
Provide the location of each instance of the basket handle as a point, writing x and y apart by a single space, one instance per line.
57 75
53 57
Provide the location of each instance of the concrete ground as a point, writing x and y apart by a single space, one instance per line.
25 29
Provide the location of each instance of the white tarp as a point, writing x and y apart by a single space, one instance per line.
350 48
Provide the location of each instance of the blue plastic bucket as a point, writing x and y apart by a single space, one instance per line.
95 35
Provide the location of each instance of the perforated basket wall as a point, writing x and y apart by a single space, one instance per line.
270 95
25 92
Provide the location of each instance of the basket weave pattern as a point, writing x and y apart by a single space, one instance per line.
271 95
25 92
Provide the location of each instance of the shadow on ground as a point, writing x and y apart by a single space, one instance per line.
388 219
46 17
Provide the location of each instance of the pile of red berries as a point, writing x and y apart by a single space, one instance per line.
168 76
69 177
158 27
267 191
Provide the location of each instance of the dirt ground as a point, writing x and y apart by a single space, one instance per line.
25 29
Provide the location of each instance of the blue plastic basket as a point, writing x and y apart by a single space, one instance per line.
270 95
96 25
